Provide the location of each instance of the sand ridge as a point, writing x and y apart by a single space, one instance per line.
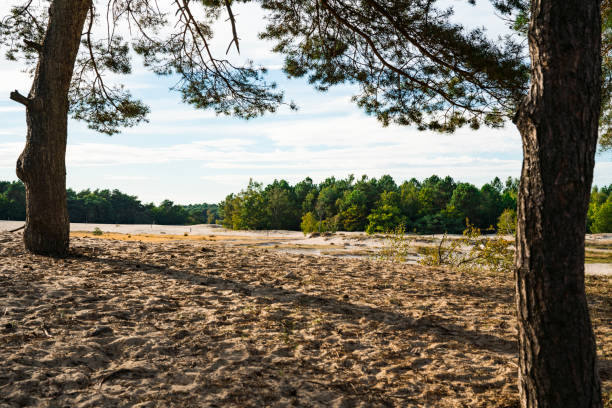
190 323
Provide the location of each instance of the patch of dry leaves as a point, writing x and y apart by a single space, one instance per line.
210 324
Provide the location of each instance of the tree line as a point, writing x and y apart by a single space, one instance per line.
434 205
110 207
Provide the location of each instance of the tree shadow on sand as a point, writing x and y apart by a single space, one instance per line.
442 329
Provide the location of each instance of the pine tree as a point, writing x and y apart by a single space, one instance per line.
56 42
414 66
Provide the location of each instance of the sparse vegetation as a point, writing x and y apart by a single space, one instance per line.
470 252
396 246
506 223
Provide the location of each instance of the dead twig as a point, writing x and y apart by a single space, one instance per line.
17 229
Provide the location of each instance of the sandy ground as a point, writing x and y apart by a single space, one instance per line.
214 323
341 244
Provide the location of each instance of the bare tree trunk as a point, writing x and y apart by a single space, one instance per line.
558 122
42 165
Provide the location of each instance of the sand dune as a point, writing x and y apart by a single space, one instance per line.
193 323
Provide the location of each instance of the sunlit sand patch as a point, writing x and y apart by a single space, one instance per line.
166 237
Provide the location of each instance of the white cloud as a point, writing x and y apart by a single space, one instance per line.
8 109
126 178
9 153
11 78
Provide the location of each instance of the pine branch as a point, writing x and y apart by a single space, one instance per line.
234 32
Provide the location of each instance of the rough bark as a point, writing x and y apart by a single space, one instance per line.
42 165
558 123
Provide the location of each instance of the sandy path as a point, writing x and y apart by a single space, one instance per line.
201 229
185 324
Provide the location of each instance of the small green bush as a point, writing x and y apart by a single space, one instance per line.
309 223
506 223
473 251
97 231
396 246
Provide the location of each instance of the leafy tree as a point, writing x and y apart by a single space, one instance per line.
602 221
252 212
412 65
211 216
371 189
15 192
386 183
497 185
387 215
281 207
435 194
57 42
467 200
12 200
304 189
491 205
353 210
326 201
310 201
409 195
448 220
169 214
106 206
229 211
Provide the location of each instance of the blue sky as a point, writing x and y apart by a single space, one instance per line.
192 156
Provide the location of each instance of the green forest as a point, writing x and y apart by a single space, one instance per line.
110 207
434 205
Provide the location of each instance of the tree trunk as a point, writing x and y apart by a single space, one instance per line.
558 123
42 165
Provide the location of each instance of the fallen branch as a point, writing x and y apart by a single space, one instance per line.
17 229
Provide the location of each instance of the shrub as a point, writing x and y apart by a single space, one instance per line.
309 223
484 252
396 246
97 231
384 218
506 223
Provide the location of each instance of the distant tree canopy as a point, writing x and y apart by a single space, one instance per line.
110 207
434 205
12 200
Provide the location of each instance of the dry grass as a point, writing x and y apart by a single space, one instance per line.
187 322
165 237
598 256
